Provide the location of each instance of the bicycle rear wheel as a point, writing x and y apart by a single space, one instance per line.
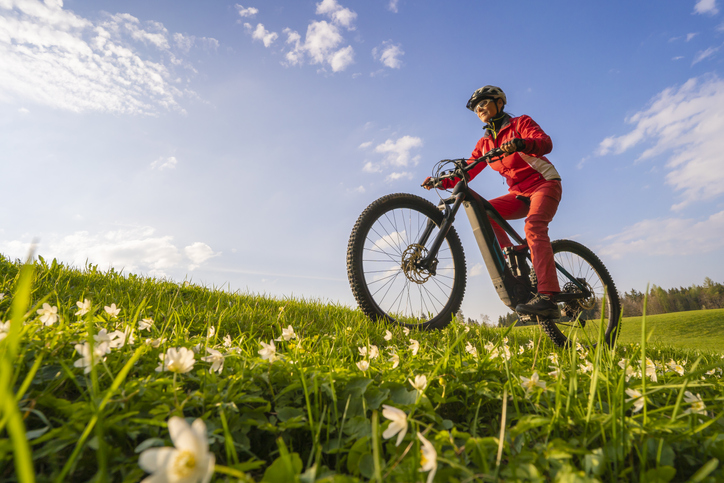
381 253
582 318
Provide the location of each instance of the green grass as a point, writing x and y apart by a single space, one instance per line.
697 329
313 414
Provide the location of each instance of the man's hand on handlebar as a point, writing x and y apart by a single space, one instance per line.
513 145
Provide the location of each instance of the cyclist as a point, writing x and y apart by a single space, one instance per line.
534 188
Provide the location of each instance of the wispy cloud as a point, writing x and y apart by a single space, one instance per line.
323 43
684 125
668 237
133 249
392 6
260 33
389 54
396 154
704 54
54 57
164 163
246 12
707 7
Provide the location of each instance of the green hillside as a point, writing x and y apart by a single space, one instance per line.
105 377
696 329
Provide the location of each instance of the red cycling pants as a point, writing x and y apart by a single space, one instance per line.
543 205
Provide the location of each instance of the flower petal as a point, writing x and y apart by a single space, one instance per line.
155 459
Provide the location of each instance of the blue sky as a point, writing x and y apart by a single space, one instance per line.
234 145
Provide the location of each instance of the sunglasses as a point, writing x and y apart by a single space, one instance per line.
482 104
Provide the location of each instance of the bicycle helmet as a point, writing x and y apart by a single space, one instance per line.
487 92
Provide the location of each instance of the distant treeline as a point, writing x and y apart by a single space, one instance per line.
660 301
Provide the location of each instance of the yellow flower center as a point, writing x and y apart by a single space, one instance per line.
184 464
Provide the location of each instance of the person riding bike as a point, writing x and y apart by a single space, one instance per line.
534 188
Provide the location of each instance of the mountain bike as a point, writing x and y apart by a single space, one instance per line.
406 265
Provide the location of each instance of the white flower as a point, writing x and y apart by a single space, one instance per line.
505 354
505 341
395 359
637 399
554 359
145 324
4 329
674 366
420 382
428 457
179 360
211 332
48 314
362 351
556 372
87 361
651 370
188 462
388 335
374 352
398 426
268 351
83 307
530 384
2 296
471 350
288 334
216 359
155 343
112 310
489 346
467 329
697 405
406 331
227 341
531 344
587 367
363 365
414 346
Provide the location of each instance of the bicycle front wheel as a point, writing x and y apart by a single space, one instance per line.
587 319
381 255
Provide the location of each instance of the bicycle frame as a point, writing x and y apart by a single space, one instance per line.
510 288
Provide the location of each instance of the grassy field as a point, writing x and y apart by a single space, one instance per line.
698 329
106 377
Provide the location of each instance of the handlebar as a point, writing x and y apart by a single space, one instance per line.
462 166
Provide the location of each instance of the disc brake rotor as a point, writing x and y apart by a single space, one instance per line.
410 258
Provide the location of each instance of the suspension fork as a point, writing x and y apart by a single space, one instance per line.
430 260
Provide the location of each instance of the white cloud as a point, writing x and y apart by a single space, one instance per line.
338 14
397 153
684 124
365 145
704 54
260 33
54 57
670 236
198 253
476 270
691 36
164 163
134 249
396 176
246 12
320 45
389 54
706 7
392 6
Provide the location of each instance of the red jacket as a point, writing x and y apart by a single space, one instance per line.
524 171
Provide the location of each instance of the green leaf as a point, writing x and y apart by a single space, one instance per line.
662 474
285 469
355 454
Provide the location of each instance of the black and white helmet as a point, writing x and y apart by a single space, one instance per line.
487 92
